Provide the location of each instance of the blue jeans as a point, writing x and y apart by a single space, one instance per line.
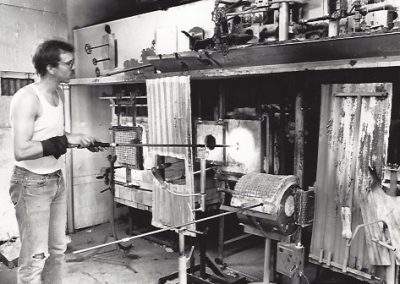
41 209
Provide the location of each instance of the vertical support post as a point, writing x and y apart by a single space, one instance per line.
393 181
192 258
391 270
203 256
332 10
269 142
221 235
281 133
299 139
182 259
284 21
267 261
68 162
134 110
203 180
333 28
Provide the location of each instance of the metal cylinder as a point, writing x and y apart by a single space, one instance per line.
182 260
284 21
276 192
333 29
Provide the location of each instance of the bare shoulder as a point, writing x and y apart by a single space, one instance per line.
25 100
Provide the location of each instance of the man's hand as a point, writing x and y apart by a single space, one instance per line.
84 141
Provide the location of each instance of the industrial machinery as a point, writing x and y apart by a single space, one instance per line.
262 57
286 208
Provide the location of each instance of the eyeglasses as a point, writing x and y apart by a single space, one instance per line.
70 63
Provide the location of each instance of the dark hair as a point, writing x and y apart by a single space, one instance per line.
48 53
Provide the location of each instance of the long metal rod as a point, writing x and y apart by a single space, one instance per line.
182 259
164 145
101 144
127 70
166 229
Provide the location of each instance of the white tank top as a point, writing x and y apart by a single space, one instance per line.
49 124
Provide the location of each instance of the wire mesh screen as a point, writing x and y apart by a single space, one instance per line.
130 156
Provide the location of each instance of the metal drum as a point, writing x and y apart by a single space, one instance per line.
276 192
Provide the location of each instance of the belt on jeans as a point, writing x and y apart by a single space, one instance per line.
57 173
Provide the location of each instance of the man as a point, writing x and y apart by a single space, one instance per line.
37 187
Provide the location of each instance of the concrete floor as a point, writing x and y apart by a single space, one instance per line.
147 261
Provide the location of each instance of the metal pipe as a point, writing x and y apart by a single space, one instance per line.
203 183
376 7
102 144
168 229
207 169
267 261
299 138
391 270
182 259
349 241
284 21
127 70
333 29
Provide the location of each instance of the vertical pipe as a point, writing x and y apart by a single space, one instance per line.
203 256
192 258
333 29
325 7
134 109
284 21
299 139
391 269
269 142
182 259
69 162
281 132
221 114
221 234
267 263
203 181
393 182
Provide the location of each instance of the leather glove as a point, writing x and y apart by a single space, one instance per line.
55 146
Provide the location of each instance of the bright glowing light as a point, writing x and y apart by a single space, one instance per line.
244 148
289 206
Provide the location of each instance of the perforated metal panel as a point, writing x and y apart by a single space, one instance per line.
130 156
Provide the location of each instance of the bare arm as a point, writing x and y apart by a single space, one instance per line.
24 111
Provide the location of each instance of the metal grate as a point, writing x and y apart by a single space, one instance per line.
130 156
304 209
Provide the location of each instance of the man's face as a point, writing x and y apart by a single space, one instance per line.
65 67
